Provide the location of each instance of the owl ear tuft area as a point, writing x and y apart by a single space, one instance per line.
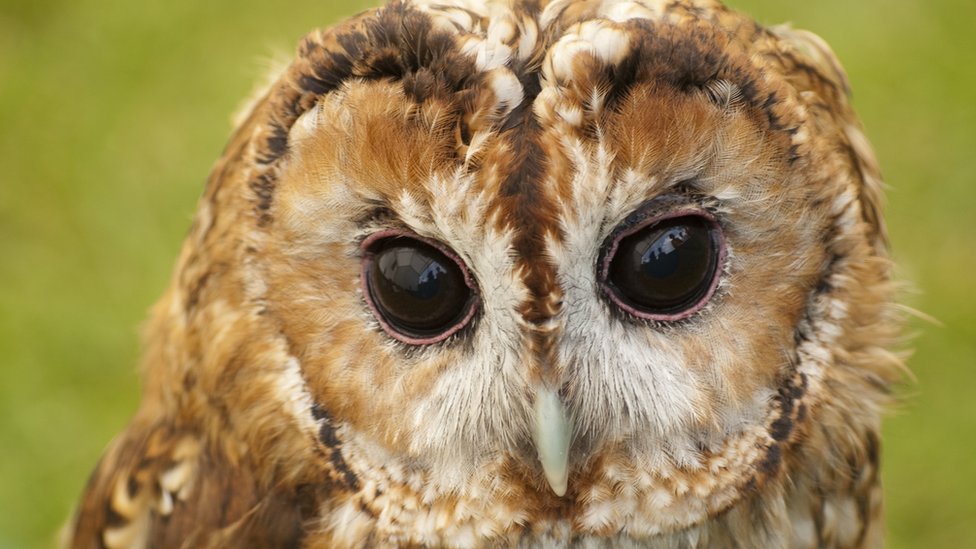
817 50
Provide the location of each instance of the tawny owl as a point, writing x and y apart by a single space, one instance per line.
523 273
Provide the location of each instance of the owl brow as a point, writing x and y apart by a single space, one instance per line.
368 47
699 60
379 211
378 216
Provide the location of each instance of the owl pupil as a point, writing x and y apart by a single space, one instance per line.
666 268
418 291
411 274
660 260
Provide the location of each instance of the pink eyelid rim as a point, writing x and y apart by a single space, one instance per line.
605 267
472 305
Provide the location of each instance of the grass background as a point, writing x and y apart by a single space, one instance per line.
112 112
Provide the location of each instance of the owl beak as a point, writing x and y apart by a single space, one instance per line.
552 434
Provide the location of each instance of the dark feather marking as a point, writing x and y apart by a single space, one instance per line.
327 435
112 518
530 211
873 448
193 296
622 77
781 428
263 187
865 491
769 465
276 144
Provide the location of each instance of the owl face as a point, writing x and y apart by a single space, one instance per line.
575 251
544 271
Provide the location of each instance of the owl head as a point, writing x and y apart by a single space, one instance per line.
540 271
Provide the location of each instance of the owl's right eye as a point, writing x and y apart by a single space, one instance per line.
420 292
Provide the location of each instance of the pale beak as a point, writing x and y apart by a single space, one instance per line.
552 433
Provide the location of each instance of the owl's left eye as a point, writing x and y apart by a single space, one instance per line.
419 291
664 268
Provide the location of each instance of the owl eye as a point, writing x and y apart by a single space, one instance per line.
420 293
666 269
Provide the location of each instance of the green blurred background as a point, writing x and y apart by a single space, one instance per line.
111 113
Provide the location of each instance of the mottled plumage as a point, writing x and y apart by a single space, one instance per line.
523 142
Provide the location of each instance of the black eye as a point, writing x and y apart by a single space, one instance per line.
666 269
419 293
